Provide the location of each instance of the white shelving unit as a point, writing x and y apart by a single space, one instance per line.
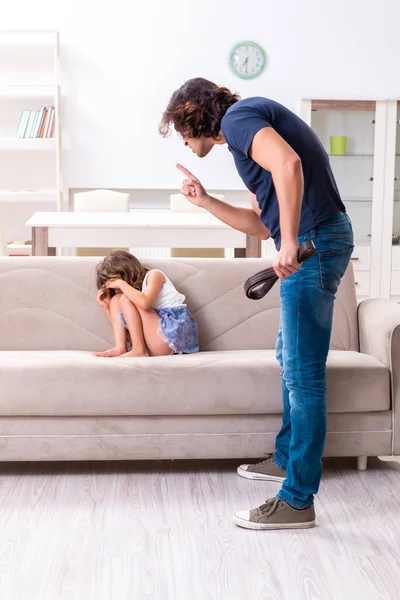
390 274
30 169
27 91
27 196
12 144
365 175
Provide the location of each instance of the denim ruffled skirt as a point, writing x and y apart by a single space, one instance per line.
178 328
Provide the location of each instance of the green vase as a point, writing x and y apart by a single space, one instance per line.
338 144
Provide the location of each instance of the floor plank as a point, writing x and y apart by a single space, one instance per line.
163 531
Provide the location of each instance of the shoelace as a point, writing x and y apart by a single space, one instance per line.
267 460
269 507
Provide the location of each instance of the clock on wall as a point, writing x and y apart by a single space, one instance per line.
247 60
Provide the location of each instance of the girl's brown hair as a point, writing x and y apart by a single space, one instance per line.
197 108
120 264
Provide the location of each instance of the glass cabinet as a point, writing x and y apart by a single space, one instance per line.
354 134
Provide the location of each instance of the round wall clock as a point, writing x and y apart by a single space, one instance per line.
247 60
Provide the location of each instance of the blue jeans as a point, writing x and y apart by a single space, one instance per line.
307 299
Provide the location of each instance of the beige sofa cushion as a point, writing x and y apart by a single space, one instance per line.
49 303
72 383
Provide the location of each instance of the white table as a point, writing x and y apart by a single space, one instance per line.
139 228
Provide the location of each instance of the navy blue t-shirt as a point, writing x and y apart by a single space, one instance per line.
321 199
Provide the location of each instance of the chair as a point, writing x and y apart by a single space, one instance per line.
99 201
179 203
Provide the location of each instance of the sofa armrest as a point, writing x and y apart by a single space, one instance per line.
379 333
379 329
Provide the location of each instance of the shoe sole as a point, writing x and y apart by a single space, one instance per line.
258 476
251 525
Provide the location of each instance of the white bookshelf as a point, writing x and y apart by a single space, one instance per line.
22 144
27 91
27 196
30 168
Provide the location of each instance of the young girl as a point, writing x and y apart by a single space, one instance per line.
144 304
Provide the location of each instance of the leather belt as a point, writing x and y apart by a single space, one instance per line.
258 285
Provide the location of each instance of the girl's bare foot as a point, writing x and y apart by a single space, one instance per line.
111 353
135 354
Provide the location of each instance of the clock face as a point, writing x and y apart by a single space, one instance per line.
247 60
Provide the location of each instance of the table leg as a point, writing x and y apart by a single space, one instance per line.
40 238
240 252
253 247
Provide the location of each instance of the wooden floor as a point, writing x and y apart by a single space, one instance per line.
163 531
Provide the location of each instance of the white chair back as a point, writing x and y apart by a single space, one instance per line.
179 203
101 201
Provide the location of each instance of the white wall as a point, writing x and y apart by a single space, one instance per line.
122 59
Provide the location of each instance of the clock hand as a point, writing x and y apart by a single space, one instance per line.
246 63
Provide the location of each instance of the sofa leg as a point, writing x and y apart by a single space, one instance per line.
362 462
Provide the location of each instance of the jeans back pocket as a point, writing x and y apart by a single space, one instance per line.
333 266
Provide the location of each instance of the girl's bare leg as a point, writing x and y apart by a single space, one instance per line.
143 328
155 344
119 331
135 328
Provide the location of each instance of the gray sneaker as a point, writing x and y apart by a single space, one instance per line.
266 470
275 514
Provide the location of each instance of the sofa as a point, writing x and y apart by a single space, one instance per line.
58 402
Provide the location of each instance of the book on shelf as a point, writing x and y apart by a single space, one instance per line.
37 123
23 124
43 124
50 126
29 125
34 121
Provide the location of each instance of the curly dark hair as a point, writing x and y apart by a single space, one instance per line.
197 108
120 264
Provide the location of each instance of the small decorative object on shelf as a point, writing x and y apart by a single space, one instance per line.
19 248
338 144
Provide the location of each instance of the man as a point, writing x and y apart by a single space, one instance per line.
294 197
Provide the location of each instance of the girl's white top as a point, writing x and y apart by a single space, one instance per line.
169 297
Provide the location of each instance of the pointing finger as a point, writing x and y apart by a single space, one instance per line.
187 173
